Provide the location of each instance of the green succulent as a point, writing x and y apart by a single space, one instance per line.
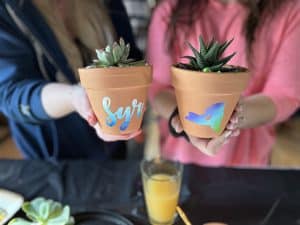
42 211
209 57
115 55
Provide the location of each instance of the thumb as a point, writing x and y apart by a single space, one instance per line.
215 144
176 124
92 119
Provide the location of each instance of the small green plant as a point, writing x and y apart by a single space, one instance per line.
44 212
209 57
115 55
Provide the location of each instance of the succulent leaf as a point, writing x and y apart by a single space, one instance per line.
212 53
211 43
108 48
117 53
208 58
203 48
126 52
216 68
114 55
197 55
122 43
193 62
188 57
195 52
224 46
226 59
99 53
138 63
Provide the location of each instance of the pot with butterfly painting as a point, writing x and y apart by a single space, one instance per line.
207 89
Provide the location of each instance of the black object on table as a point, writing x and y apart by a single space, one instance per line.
232 196
101 217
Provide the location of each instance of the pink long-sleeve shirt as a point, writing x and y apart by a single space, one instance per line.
275 73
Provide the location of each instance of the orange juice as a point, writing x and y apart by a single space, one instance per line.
162 191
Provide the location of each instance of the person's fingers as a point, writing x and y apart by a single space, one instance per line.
234 118
92 119
81 102
200 144
176 123
132 135
125 137
240 112
98 130
236 133
232 125
110 137
214 145
211 147
87 108
239 108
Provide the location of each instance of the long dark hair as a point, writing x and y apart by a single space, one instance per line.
185 12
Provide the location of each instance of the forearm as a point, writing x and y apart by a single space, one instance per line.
57 99
257 110
164 103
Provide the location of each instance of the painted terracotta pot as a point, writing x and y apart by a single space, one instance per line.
206 100
118 96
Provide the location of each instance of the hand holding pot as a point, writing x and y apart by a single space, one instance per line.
82 106
211 146
111 137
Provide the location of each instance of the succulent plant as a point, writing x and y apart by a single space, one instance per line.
41 211
115 55
209 57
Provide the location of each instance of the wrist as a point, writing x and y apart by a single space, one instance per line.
72 96
257 110
57 99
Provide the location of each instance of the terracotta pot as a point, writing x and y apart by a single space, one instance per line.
207 100
118 96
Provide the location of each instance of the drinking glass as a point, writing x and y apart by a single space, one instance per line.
161 184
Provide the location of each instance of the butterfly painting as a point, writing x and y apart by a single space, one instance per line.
212 117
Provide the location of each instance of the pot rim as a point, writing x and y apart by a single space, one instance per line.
117 88
120 77
233 82
246 72
115 67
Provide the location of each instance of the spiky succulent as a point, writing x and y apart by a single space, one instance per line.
209 57
115 55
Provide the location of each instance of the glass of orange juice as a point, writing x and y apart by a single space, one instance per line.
161 183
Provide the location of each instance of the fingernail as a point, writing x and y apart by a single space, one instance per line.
231 126
90 116
91 122
236 133
235 120
177 127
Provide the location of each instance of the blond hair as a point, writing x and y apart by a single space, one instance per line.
88 21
